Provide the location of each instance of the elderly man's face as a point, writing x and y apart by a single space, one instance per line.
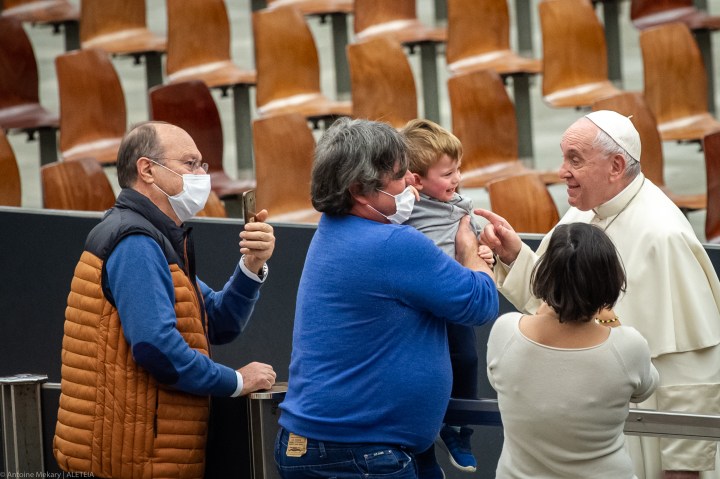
586 170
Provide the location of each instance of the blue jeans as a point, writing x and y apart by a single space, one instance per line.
344 461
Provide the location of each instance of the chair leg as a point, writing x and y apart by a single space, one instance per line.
243 129
523 114
153 69
431 92
704 41
72 35
48 145
611 14
524 9
340 41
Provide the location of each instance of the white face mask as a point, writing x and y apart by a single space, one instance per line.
191 200
404 203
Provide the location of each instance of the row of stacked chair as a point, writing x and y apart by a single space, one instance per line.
479 65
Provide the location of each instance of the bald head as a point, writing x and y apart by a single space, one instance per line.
147 139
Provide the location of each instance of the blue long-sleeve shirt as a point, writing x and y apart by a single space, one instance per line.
370 360
142 287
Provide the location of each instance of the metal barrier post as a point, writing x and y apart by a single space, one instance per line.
22 423
263 413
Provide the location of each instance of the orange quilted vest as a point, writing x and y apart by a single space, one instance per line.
114 419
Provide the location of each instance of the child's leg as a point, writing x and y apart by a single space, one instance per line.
464 359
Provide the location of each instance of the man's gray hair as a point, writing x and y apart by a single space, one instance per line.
140 140
607 145
355 153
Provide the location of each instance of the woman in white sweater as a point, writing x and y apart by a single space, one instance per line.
564 379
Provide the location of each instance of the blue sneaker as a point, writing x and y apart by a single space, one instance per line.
458 447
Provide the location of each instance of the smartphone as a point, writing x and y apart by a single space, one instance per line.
248 205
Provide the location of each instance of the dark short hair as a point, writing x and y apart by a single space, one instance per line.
354 153
140 140
580 273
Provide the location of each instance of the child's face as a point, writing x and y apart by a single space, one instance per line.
442 179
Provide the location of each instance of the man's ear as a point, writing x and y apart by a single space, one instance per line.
144 170
617 166
357 194
418 181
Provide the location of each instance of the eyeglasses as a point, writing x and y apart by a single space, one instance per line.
192 165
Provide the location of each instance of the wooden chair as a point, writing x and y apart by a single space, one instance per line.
675 85
190 106
398 19
199 49
338 11
711 147
214 208
316 7
652 162
119 27
76 185
93 115
650 13
382 82
10 185
575 65
47 12
288 68
20 107
284 149
483 119
524 201
479 38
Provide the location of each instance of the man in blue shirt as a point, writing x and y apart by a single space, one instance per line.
370 373
136 369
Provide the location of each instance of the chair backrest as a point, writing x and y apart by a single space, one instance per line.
631 103
284 149
93 115
104 17
574 48
76 185
382 82
10 186
483 119
643 8
369 13
214 207
711 147
198 33
18 67
191 106
286 57
476 27
40 11
524 201
675 85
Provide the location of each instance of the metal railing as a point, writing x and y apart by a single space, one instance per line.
23 443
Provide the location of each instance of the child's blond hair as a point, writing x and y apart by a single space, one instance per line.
427 142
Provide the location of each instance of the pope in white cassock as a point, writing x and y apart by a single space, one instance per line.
673 292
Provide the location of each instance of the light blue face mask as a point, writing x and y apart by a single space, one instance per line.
404 203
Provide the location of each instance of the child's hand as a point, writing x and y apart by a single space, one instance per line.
486 254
